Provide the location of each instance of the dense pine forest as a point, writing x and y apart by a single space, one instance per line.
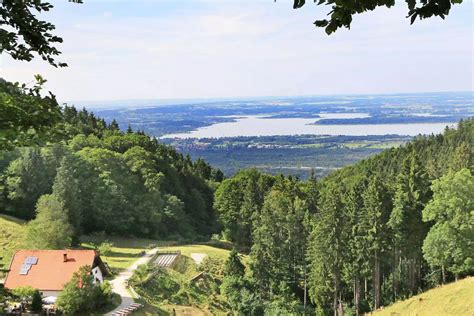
365 236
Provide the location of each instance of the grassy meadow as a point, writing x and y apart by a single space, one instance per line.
454 299
12 232
124 251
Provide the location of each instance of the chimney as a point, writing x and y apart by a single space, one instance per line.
64 257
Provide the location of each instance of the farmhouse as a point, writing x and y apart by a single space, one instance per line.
49 270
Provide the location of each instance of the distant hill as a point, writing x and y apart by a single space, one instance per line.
455 299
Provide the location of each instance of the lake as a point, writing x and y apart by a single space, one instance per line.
261 126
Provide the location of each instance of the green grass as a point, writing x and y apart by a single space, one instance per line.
198 298
456 299
172 289
124 251
12 232
187 250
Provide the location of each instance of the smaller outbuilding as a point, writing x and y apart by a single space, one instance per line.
49 270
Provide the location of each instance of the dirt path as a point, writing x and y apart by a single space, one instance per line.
119 284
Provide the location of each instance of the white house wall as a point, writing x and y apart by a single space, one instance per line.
97 273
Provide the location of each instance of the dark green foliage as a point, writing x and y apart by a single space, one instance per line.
233 265
26 180
27 34
238 201
377 208
342 12
279 239
81 294
104 179
242 296
126 179
26 117
66 188
36 302
327 249
358 238
411 194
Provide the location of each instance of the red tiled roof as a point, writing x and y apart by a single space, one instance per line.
51 272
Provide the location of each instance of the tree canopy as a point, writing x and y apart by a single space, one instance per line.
342 12
450 242
26 117
358 239
99 178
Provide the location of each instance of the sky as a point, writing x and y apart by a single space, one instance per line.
162 49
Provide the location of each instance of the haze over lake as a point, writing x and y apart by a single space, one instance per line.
257 125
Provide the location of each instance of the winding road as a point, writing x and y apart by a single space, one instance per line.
119 284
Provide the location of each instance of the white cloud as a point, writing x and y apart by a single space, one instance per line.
245 48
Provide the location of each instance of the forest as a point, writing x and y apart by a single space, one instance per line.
367 235
103 179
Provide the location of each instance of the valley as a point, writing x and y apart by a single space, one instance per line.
291 135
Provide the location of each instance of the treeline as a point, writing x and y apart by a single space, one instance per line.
381 230
106 180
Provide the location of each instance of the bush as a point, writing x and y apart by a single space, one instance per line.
212 266
24 292
37 302
81 294
105 248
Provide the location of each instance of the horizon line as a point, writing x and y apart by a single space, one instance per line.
183 101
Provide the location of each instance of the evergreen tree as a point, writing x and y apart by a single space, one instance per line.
356 264
233 265
412 193
377 208
66 189
114 126
311 190
279 240
36 302
462 157
326 250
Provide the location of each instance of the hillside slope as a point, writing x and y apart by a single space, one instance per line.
11 237
452 299
175 291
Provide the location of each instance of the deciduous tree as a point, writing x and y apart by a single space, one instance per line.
50 229
450 242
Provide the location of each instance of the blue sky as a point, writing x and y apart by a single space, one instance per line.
151 49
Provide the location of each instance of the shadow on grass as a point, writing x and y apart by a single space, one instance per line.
118 254
116 300
127 242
